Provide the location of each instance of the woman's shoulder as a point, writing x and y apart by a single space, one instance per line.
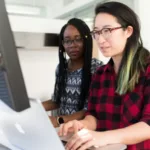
96 61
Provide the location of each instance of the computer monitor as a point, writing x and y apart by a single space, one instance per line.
12 87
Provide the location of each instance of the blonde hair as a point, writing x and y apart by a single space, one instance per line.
132 65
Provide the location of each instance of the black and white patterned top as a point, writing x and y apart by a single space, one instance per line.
70 100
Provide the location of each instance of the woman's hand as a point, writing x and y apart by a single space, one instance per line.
70 127
85 139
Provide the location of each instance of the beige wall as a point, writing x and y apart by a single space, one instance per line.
38 67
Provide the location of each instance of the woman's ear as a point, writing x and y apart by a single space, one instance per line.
129 31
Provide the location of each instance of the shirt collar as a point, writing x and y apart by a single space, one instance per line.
109 65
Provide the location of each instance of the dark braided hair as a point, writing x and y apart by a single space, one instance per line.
86 70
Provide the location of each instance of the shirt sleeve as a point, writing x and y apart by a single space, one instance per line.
146 109
95 64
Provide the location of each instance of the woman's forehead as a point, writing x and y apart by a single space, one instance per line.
105 20
70 29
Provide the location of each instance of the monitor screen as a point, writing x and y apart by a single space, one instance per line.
12 87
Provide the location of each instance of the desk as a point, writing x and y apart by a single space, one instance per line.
111 147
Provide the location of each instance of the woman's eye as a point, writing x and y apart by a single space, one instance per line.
97 32
105 30
67 41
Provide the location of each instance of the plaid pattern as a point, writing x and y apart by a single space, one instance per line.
114 111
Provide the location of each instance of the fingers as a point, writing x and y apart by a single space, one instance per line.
86 145
78 142
70 126
79 139
61 131
75 126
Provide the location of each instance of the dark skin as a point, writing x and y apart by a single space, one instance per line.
75 52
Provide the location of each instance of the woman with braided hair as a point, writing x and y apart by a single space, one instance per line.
73 75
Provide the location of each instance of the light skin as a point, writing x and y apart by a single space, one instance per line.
84 134
114 46
75 52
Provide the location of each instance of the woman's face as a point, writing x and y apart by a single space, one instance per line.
73 43
109 34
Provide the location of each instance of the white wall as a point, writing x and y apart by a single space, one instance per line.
38 67
65 9
34 41
28 2
142 9
35 24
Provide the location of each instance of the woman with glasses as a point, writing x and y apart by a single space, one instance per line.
73 75
119 98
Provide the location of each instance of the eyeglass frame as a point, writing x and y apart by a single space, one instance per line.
75 41
100 32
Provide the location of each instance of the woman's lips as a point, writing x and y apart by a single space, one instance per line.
74 52
104 48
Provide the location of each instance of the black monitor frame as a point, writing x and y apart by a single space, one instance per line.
18 99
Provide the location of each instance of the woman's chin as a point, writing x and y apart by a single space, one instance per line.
106 55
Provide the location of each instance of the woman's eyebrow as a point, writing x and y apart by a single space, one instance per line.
77 36
68 37
95 28
105 26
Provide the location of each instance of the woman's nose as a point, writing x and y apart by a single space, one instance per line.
101 39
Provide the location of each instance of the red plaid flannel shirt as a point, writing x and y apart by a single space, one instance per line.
114 111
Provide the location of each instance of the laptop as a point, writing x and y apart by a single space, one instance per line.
30 129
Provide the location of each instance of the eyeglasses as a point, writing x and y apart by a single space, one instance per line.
68 42
105 32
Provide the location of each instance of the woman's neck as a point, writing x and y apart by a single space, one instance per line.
75 64
117 61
